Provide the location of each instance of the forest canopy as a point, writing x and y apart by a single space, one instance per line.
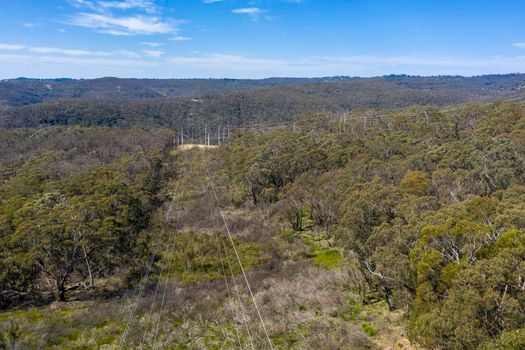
419 209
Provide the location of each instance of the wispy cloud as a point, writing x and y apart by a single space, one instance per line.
97 61
102 5
30 24
84 4
180 38
153 53
252 12
68 52
520 45
248 10
127 63
220 59
151 44
365 65
30 59
71 52
133 25
335 64
122 18
12 47
146 5
212 1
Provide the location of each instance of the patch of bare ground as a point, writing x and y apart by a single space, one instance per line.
194 146
392 333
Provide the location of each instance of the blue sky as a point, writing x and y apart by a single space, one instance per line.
259 38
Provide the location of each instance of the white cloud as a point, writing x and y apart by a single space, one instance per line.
12 47
366 65
30 24
427 61
97 61
151 44
103 5
125 53
211 1
122 17
153 53
181 38
147 5
44 61
73 52
9 58
224 59
75 61
84 3
520 45
248 10
115 32
67 52
133 25
252 12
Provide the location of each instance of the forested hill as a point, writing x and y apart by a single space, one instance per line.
125 102
23 91
404 230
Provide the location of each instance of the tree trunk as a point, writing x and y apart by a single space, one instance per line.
91 280
388 296
61 291
298 224
254 196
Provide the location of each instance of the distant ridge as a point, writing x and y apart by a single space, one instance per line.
172 103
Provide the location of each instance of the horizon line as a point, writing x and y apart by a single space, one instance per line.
391 75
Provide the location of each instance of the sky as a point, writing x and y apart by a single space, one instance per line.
259 38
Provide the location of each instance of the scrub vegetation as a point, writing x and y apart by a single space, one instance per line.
401 230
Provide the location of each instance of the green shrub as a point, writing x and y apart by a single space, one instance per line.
369 329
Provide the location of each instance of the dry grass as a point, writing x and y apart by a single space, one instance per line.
304 306
189 146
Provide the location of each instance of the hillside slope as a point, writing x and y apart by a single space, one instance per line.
285 101
17 92
403 225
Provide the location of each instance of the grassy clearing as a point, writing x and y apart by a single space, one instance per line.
73 325
321 252
301 282
390 327
195 257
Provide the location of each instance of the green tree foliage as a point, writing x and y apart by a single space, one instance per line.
432 204
63 225
195 103
415 182
23 91
428 202
82 225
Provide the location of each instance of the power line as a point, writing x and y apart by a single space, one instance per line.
244 317
228 291
169 248
165 284
219 249
138 296
135 305
512 96
240 263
